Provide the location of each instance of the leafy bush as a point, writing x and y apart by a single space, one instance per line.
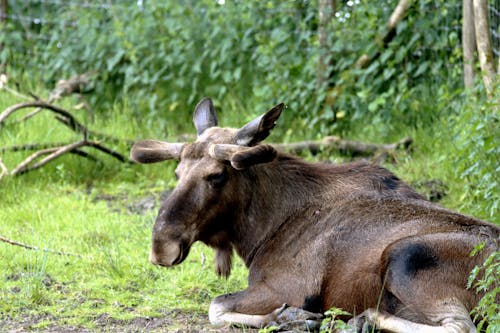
477 154
247 55
486 279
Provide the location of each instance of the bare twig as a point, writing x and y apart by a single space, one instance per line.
108 151
44 105
55 152
21 166
83 153
29 247
33 146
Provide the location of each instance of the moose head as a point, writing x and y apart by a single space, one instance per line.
205 200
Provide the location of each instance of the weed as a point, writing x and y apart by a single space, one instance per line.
486 279
332 323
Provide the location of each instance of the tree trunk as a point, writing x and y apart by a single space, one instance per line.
326 11
468 42
4 8
398 14
483 41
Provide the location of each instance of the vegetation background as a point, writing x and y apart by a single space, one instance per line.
149 62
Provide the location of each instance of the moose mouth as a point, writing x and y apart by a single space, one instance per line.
183 253
169 254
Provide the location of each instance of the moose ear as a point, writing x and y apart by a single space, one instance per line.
152 151
204 115
259 128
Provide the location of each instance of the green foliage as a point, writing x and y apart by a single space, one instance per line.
152 61
486 279
420 62
477 158
331 322
246 54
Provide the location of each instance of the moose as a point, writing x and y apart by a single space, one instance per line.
314 235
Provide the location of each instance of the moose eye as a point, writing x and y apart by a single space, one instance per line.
217 179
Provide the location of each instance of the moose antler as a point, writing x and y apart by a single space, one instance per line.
242 157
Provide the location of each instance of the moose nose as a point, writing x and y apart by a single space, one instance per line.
165 254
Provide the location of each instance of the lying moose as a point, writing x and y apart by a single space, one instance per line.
314 236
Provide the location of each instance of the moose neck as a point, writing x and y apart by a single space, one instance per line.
273 193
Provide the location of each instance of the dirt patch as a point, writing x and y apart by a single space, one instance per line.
171 321
121 202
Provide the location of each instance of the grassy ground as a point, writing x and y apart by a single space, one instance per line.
102 213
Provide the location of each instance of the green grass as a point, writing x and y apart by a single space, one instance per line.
78 206
110 274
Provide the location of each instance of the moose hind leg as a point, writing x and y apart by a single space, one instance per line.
455 322
251 307
425 285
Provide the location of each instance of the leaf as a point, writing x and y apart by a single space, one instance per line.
421 69
114 60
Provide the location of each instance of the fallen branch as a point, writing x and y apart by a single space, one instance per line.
63 88
41 104
24 167
84 154
55 152
29 247
66 118
346 146
108 151
33 146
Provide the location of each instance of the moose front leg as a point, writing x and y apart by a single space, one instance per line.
252 307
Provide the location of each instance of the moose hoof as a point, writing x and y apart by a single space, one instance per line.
363 323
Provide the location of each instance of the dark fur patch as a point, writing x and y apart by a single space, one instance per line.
411 258
391 182
313 303
390 302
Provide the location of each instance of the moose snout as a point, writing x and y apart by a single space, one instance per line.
165 253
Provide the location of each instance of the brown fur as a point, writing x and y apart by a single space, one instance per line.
319 236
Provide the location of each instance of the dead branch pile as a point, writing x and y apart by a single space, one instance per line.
43 153
47 152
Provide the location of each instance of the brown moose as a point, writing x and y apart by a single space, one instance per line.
314 236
